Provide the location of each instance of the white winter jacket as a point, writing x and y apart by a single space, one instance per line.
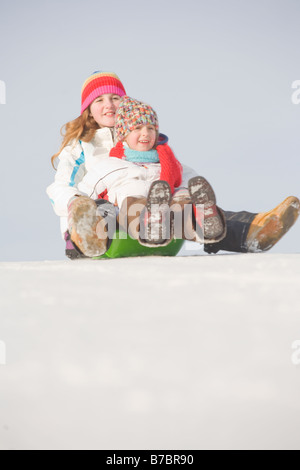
85 168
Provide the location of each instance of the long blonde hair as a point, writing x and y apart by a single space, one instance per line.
83 128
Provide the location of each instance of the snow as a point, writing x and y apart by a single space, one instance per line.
190 352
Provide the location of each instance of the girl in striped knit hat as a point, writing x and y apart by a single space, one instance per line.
88 140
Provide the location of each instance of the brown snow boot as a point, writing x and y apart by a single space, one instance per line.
129 215
267 228
87 229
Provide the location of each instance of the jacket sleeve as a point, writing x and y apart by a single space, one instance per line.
105 173
93 183
70 171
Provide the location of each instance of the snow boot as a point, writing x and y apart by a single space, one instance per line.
208 218
155 223
267 228
87 229
129 215
72 251
144 220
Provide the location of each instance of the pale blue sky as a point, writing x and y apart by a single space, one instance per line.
218 72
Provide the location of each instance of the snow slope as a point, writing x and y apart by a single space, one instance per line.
151 353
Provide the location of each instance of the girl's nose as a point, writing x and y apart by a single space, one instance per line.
109 104
145 131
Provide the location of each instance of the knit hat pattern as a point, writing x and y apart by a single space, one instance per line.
98 84
132 113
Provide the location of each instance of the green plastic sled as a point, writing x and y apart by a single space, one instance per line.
123 247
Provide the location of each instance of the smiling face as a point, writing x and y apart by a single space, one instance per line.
103 109
142 138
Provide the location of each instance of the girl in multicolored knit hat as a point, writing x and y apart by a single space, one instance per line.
142 177
89 138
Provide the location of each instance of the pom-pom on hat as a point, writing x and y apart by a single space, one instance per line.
132 113
98 84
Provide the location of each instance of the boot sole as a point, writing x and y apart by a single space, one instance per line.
85 221
201 193
159 195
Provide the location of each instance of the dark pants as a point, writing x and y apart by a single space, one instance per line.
238 224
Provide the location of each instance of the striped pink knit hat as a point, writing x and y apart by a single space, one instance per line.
98 84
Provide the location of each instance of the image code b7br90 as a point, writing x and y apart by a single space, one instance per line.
171 459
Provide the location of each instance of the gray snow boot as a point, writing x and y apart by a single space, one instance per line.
155 221
207 216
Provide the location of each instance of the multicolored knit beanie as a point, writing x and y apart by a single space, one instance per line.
132 113
98 84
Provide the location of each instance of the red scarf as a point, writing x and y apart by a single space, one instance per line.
171 169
